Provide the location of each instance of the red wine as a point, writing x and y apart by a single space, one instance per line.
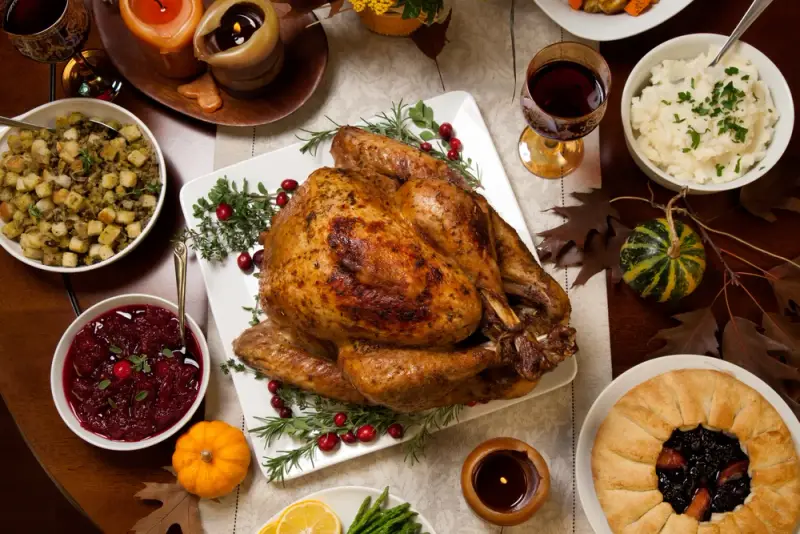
505 479
566 89
27 17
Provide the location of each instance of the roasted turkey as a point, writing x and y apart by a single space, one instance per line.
386 281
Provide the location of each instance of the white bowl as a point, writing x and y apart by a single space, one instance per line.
45 115
601 27
57 373
632 378
687 47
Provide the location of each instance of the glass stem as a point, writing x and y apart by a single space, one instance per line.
83 62
550 143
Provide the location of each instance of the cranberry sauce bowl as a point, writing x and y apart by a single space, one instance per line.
120 378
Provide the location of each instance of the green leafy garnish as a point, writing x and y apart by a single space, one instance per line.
166 352
87 160
666 102
685 96
34 211
677 120
255 311
692 83
746 77
730 71
720 168
104 383
700 110
112 403
139 362
142 395
738 166
115 349
695 135
729 124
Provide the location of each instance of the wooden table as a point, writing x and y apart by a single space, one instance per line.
37 306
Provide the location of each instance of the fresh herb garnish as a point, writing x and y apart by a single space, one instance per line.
666 102
142 395
692 83
139 362
86 159
695 135
685 150
104 383
34 211
255 311
677 119
729 124
112 403
700 110
115 349
730 71
746 77
166 352
685 96
738 166
720 168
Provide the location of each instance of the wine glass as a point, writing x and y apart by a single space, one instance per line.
563 100
51 31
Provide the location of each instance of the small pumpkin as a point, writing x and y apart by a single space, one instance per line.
211 459
663 262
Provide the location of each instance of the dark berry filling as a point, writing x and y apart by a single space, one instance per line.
702 471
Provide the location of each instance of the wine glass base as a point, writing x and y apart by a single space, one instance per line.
101 81
548 158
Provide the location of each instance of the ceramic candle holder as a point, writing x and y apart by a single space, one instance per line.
165 29
241 42
505 481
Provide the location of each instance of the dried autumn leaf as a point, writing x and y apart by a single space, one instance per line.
336 6
602 252
770 192
785 331
430 39
591 215
697 334
179 507
786 286
743 345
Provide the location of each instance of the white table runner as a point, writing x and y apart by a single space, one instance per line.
365 74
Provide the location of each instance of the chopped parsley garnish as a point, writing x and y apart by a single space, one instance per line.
685 150
34 211
731 96
730 71
685 96
716 113
166 352
728 124
720 168
115 349
104 383
692 83
700 110
678 119
142 395
746 77
738 166
695 135
666 102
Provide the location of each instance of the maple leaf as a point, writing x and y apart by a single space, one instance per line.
763 356
602 252
786 286
697 334
592 215
768 193
430 39
179 507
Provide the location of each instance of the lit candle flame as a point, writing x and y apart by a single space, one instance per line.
237 28
503 480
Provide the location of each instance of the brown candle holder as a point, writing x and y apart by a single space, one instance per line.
538 486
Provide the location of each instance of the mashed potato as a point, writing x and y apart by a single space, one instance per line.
702 124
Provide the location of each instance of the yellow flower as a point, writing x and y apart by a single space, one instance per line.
381 6
359 5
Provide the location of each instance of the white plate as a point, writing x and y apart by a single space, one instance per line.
346 500
600 27
627 381
46 115
229 290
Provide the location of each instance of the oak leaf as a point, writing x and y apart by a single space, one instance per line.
590 216
179 507
601 253
763 356
785 283
431 38
697 334
769 193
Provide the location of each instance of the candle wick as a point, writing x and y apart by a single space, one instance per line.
160 5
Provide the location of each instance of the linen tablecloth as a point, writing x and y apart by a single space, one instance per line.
366 73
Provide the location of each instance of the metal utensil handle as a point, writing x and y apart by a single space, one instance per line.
755 10
24 125
180 254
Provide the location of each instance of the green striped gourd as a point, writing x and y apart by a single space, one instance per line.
656 264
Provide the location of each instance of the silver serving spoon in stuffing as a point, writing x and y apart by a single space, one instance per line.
752 14
28 126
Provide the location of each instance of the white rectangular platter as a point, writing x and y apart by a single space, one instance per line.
229 290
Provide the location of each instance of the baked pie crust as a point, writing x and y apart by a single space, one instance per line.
630 439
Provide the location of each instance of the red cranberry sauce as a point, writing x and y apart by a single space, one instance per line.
158 391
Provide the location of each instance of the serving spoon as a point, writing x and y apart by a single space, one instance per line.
28 126
755 10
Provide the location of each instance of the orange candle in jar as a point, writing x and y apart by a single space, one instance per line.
166 29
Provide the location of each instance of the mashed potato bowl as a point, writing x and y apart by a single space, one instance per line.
687 47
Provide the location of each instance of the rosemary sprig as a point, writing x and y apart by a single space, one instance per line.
279 466
430 422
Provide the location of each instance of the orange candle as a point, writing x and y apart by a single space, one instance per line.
166 29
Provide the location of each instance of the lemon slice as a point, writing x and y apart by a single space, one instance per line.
272 528
309 517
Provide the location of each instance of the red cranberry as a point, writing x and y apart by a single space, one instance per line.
452 155
328 442
162 368
224 211
395 430
348 437
244 261
277 402
285 413
366 433
122 369
281 199
340 419
289 184
258 257
445 130
273 386
472 403
425 146
455 144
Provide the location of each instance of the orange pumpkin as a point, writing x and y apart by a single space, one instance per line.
211 459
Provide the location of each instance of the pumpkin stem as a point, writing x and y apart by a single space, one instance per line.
205 455
674 250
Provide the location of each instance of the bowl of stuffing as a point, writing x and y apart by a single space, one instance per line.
74 195
708 129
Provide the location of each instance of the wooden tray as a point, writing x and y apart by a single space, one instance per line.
306 60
